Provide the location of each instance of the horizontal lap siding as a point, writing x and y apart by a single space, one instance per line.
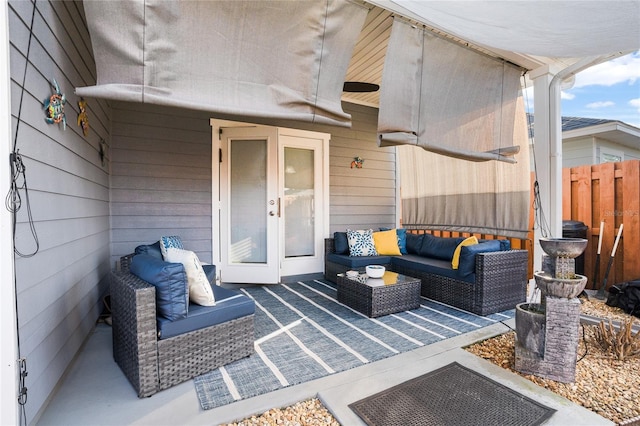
366 197
161 177
59 289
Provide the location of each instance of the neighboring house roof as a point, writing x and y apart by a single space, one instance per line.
573 123
612 130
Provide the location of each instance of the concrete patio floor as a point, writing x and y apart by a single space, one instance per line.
96 392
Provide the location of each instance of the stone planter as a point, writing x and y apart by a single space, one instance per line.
530 327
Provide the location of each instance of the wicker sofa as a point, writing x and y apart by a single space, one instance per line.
497 282
152 363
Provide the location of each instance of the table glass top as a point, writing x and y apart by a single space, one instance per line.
389 278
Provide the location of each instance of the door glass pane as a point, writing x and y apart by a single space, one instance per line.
248 192
299 202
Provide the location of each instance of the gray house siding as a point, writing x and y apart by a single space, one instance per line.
578 152
366 197
59 289
586 150
610 147
161 176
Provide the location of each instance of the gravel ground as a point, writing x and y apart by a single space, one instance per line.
304 413
604 385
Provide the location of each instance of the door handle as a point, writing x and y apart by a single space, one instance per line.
272 213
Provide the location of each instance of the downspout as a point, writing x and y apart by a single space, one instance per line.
555 137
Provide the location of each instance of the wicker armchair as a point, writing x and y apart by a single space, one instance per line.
153 364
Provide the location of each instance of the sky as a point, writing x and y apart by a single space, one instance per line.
610 90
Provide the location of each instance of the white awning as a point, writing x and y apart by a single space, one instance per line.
548 28
274 59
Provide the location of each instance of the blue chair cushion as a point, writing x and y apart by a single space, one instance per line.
230 304
210 272
150 249
467 265
170 281
432 266
340 243
358 261
439 247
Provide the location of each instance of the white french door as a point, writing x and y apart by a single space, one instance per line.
303 193
272 203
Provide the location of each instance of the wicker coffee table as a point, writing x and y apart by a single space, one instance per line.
376 297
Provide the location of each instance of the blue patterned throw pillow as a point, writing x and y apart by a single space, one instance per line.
361 243
172 241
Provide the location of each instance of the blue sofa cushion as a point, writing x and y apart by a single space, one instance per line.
402 240
431 265
414 242
230 304
439 247
340 243
467 264
504 244
358 261
170 281
150 249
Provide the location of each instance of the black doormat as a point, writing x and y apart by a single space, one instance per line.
450 395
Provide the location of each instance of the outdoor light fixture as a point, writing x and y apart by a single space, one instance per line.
359 87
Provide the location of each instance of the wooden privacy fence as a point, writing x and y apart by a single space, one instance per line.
608 192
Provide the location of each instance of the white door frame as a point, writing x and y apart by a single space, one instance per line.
216 141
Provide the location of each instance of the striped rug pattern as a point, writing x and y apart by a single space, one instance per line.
303 333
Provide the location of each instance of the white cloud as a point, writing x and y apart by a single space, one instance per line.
527 94
625 69
635 103
600 104
567 96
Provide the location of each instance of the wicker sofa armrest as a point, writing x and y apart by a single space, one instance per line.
329 246
496 262
501 279
133 306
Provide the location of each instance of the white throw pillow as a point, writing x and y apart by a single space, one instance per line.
200 291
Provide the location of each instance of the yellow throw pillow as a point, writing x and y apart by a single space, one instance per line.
386 243
456 254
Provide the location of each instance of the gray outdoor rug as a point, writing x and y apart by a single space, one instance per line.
303 333
450 395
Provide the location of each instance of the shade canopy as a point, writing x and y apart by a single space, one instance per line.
548 28
446 193
446 98
273 59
